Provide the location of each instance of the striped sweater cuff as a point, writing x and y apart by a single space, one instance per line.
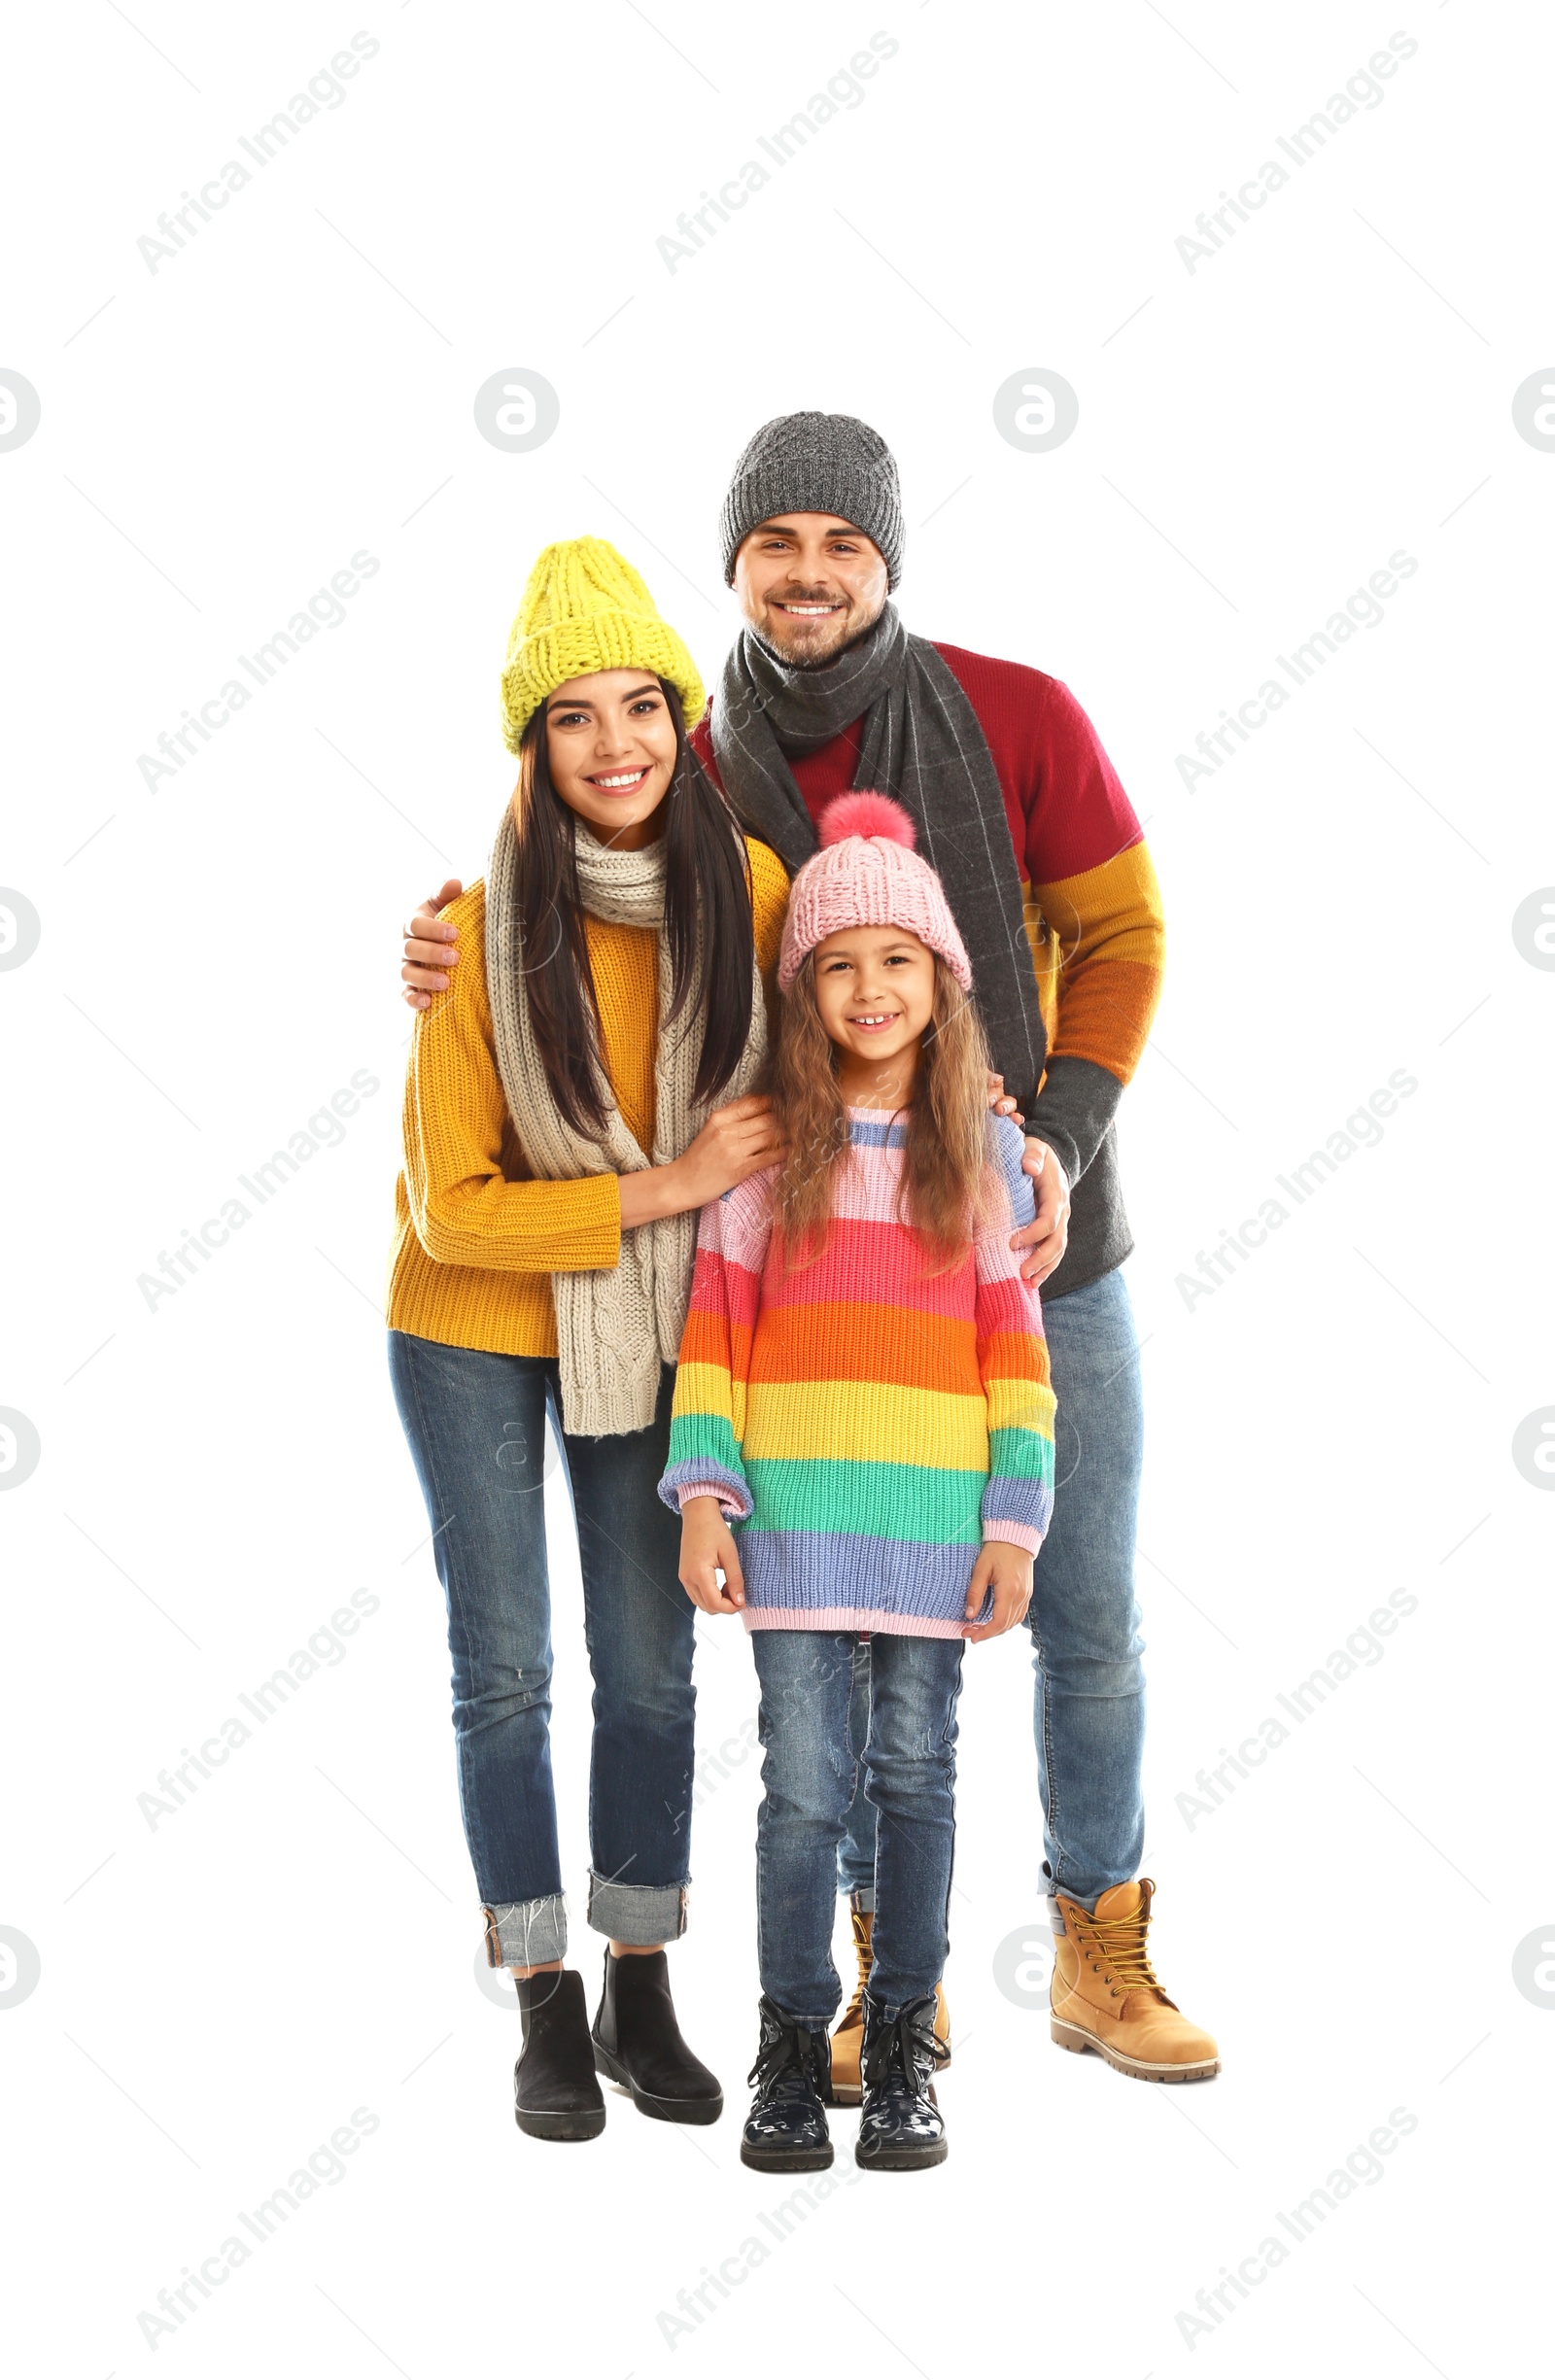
1016 1511
1013 1533
684 1480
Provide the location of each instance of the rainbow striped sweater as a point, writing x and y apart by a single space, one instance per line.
868 1423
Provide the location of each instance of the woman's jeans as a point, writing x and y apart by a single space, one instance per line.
1084 1623
899 1751
476 1427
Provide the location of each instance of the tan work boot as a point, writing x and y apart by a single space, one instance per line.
1105 1996
847 2041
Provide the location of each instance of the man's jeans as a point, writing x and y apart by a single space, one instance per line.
1085 1622
476 1427
815 1756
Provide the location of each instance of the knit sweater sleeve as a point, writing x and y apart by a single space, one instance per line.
465 1209
769 902
708 1421
1093 883
1012 1360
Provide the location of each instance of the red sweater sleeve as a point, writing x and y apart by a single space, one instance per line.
1082 857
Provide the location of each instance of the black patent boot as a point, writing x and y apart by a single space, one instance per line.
901 2127
785 2131
556 2095
638 2043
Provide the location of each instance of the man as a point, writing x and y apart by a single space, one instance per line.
1021 813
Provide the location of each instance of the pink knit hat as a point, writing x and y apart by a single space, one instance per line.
866 872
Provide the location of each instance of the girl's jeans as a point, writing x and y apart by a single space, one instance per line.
476 1427
814 1733
1084 1623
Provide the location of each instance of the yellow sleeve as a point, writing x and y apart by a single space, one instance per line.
465 1209
769 904
1110 938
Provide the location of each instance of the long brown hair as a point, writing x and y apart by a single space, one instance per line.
946 1183
707 903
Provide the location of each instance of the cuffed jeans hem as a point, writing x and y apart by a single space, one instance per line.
806 2023
861 1898
526 1933
640 1915
890 2010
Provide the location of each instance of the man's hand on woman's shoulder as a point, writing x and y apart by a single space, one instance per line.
430 949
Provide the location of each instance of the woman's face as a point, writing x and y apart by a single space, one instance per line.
610 741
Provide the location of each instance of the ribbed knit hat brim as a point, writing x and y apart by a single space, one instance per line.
586 608
816 462
866 872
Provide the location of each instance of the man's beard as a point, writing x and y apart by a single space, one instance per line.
817 660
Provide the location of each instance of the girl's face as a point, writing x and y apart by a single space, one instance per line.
874 991
611 740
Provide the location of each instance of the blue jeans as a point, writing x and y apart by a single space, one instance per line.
815 1757
1085 1622
476 1427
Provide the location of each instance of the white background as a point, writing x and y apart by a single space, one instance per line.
220 1991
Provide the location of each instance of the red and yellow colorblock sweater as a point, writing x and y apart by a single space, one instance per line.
1094 916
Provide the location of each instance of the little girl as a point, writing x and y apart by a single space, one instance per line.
863 1392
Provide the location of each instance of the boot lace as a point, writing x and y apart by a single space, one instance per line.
1122 1957
789 2062
853 2014
908 2045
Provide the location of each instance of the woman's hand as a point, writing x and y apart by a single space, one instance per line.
1007 1569
736 1142
706 1547
431 949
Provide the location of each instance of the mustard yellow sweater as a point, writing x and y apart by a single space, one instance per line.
476 1240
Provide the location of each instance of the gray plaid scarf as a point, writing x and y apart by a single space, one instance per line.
924 742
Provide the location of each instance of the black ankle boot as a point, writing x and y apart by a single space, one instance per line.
901 2127
785 2131
638 2043
555 2095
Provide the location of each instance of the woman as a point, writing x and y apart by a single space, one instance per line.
561 1130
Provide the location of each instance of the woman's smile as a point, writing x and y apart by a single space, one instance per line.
619 780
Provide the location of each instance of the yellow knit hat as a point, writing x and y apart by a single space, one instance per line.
585 608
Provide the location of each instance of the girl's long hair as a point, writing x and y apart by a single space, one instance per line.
707 913
947 1189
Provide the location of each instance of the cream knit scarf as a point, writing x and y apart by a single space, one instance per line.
613 1329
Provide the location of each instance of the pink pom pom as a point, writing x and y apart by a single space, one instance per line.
866 814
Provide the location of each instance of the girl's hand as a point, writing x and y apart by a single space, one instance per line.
1007 1569
997 1101
706 1547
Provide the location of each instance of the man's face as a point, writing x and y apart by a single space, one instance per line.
809 583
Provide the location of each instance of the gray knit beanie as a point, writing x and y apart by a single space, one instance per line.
816 462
